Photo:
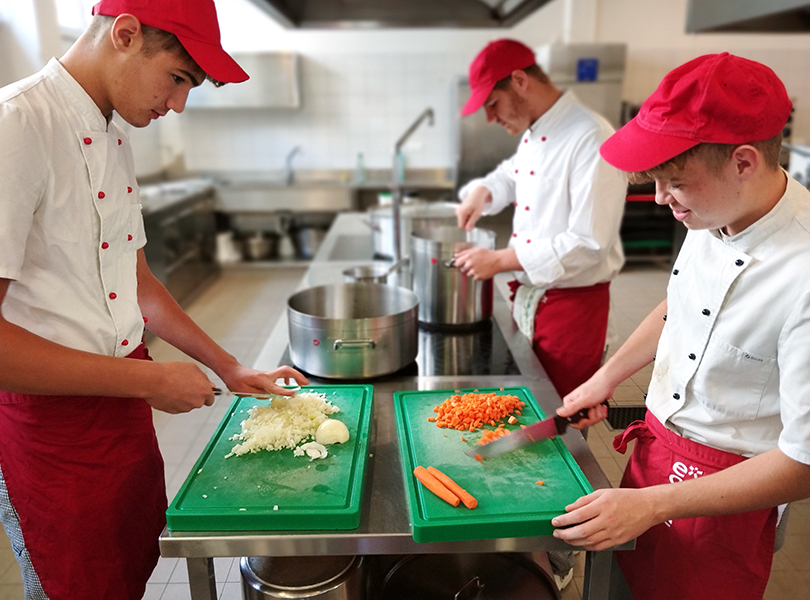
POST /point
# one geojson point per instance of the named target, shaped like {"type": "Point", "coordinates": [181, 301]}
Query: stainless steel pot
{"type": "Point", "coordinates": [448, 297]}
{"type": "Point", "coordinates": [308, 577]}
{"type": "Point", "coordinates": [353, 330]}
{"type": "Point", "coordinates": [416, 215]}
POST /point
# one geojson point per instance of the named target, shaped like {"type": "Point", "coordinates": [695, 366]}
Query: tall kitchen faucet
{"type": "Point", "coordinates": [288, 178]}
{"type": "Point", "coordinates": [396, 183]}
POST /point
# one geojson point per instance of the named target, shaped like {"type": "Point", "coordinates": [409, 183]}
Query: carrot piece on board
{"type": "Point", "coordinates": [467, 498]}
{"type": "Point", "coordinates": [479, 458]}
{"type": "Point", "coordinates": [432, 419]}
{"type": "Point", "coordinates": [539, 482]}
{"type": "Point", "coordinates": [433, 484]}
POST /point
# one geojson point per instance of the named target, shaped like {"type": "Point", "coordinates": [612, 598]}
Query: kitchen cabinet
{"type": "Point", "coordinates": [274, 83]}
{"type": "Point", "coordinates": [181, 242]}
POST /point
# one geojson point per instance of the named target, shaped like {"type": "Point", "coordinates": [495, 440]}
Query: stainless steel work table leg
{"type": "Point", "coordinates": [201, 579]}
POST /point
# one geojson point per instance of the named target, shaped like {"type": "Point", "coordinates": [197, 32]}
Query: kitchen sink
{"type": "Point", "coordinates": [259, 195]}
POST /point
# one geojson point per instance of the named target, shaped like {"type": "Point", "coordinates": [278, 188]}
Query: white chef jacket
{"type": "Point", "coordinates": [732, 369]}
{"type": "Point", "coordinates": [568, 200]}
{"type": "Point", "coordinates": [70, 217]}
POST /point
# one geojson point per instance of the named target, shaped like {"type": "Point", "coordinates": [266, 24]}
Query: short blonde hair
{"type": "Point", "coordinates": [713, 157]}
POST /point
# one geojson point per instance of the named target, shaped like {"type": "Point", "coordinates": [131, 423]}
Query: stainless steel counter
{"type": "Point", "coordinates": [384, 527]}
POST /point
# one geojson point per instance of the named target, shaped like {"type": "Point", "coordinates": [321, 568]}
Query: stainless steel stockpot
{"type": "Point", "coordinates": [353, 330]}
{"type": "Point", "coordinates": [448, 297]}
{"type": "Point", "coordinates": [303, 577]}
{"type": "Point", "coordinates": [414, 216]}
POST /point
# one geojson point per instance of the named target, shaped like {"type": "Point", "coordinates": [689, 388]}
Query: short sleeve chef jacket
{"type": "Point", "coordinates": [568, 200]}
{"type": "Point", "coordinates": [732, 369]}
{"type": "Point", "coordinates": [70, 217]}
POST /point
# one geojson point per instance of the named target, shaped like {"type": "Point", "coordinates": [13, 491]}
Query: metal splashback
{"type": "Point", "coordinates": [371, 14]}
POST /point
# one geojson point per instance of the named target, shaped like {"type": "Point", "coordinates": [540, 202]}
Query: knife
{"type": "Point", "coordinates": [220, 392]}
{"type": "Point", "coordinates": [525, 436]}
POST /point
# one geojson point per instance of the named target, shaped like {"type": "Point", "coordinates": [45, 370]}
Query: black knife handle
{"type": "Point", "coordinates": [562, 422]}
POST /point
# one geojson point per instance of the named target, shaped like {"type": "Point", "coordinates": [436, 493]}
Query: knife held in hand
{"type": "Point", "coordinates": [525, 436]}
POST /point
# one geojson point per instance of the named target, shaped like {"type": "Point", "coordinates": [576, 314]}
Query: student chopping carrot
{"type": "Point", "coordinates": [726, 439]}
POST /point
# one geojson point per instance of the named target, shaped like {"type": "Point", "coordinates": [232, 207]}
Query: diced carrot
{"type": "Point", "coordinates": [432, 419]}
{"type": "Point", "coordinates": [539, 482]}
{"type": "Point", "coordinates": [470, 410]}
{"type": "Point", "coordinates": [435, 486]}
{"type": "Point", "coordinates": [463, 439]}
{"type": "Point", "coordinates": [467, 498]}
{"type": "Point", "coordinates": [479, 458]}
{"type": "Point", "coordinates": [512, 420]}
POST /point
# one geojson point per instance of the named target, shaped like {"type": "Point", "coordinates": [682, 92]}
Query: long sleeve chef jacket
{"type": "Point", "coordinates": [568, 201]}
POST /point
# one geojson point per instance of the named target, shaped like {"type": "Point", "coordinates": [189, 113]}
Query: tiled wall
{"type": "Point", "coordinates": [352, 103]}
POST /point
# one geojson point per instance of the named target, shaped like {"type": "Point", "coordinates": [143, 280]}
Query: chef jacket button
{"type": "Point", "coordinates": [125, 343]}
{"type": "Point", "coordinates": [675, 272]}
{"type": "Point", "coordinates": [739, 262]}
{"type": "Point", "coordinates": [104, 245]}
{"type": "Point", "coordinates": [665, 317]}
{"type": "Point", "coordinates": [516, 170]}
{"type": "Point", "coordinates": [129, 238]}
{"type": "Point", "coordinates": [527, 207]}
{"type": "Point", "coordinates": [706, 312]}
{"type": "Point", "coordinates": [119, 141]}
{"type": "Point", "coordinates": [101, 195]}
{"type": "Point", "coordinates": [514, 235]}
{"type": "Point", "coordinates": [113, 295]}
{"type": "Point", "coordinates": [676, 395]}
{"type": "Point", "coordinates": [528, 240]}
{"type": "Point", "coordinates": [526, 141]}
{"type": "Point", "coordinates": [145, 320]}
{"type": "Point", "coordinates": [543, 139]}
{"type": "Point", "coordinates": [129, 190]}
{"type": "Point", "coordinates": [88, 141]}
{"type": "Point", "coordinates": [531, 172]}
{"type": "Point", "coordinates": [692, 356]}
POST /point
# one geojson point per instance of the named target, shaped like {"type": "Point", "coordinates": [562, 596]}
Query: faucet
{"type": "Point", "coordinates": [396, 184]}
{"type": "Point", "coordinates": [288, 177]}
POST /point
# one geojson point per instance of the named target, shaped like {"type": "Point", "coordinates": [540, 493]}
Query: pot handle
{"type": "Point", "coordinates": [338, 344]}
{"type": "Point", "coordinates": [450, 264]}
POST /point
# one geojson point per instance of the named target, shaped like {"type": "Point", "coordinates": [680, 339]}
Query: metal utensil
{"type": "Point", "coordinates": [220, 392]}
{"type": "Point", "coordinates": [520, 438]}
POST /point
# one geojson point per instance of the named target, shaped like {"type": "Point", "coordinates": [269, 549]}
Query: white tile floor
{"type": "Point", "coordinates": [240, 310]}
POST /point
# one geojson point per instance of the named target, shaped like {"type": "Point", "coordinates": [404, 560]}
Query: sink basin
{"type": "Point", "coordinates": [261, 196]}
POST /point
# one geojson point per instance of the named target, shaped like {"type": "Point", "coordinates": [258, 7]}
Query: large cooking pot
{"type": "Point", "coordinates": [353, 330]}
{"type": "Point", "coordinates": [303, 577]}
{"type": "Point", "coordinates": [414, 215]}
{"type": "Point", "coordinates": [448, 297]}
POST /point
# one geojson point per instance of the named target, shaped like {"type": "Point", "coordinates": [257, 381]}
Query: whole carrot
{"type": "Point", "coordinates": [467, 498]}
{"type": "Point", "coordinates": [433, 484]}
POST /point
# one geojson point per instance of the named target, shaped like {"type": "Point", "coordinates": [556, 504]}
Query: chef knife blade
{"type": "Point", "coordinates": [525, 436]}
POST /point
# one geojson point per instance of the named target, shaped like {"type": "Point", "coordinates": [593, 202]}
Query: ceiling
{"type": "Point", "coordinates": [373, 14]}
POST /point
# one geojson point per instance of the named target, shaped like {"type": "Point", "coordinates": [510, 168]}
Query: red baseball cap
{"type": "Point", "coordinates": [195, 24]}
{"type": "Point", "coordinates": [492, 64]}
{"type": "Point", "coordinates": [716, 98]}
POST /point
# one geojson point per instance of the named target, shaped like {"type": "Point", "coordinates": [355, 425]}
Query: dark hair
{"type": "Point", "coordinates": [154, 41]}
{"type": "Point", "coordinates": [713, 156]}
{"type": "Point", "coordinates": [533, 71]}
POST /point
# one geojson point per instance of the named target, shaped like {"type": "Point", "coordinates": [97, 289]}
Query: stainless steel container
{"type": "Point", "coordinates": [353, 330]}
{"type": "Point", "coordinates": [415, 215]}
{"type": "Point", "coordinates": [366, 274]}
{"type": "Point", "coordinates": [448, 297]}
{"type": "Point", "coordinates": [305, 577]}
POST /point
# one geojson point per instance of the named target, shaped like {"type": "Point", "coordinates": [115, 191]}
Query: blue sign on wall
{"type": "Point", "coordinates": [587, 69]}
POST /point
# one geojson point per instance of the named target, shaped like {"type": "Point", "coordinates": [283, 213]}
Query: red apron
{"type": "Point", "coordinates": [570, 326]}
{"type": "Point", "coordinates": [706, 558]}
{"type": "Point", "coordinates": [85, 476]}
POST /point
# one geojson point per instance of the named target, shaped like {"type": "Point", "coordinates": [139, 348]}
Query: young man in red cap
{"type": "Point", "coordinates": [565, 247]}
{"type": "Point", "coordinates": [82, 495]}
{"type": "Point", "coordinates": [728, 415]}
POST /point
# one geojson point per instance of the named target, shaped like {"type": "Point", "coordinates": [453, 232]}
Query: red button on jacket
{"type": "Point", "coordinates": [88, 141]}
{"type": "Point", "coordinates": [113, 296]}
{"type": "Point", "coordinates": [101, 195]}
{"type": "Point", "coordinates": [104, 245]}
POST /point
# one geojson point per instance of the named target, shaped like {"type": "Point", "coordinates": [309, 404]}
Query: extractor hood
{"type": "Point", "coordinates": [372, 14]}
{"type": "Point", "coordinates": [764, 16]}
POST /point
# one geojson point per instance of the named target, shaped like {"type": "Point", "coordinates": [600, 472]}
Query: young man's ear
{"type": "Point", "coordinates": [126, 34]}
{"type": "Point", "coordinates": [520, 80]}
{"type": "Point", "coordinates": [746, 160]}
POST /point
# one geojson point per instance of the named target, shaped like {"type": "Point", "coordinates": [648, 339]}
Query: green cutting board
{"type": "Point", "coordinates": [510, 502]}
{"type": "Point", "coordinates": [276, 491]}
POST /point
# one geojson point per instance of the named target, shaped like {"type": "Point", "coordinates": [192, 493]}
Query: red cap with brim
{"type": "Point", "coordinates": [714, 99]}
{"type": "Point", "coordinates": [195, 24]}
{"type": "Point", "coordinates": [495, 62]}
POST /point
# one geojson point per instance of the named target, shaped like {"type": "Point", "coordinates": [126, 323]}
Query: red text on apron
{"type": "Point", "coordinates": [706, 558]}
{"type": "Point", "coordinates": [85, 476]}
{"type": "Point", "coordinates": [570, 326]}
